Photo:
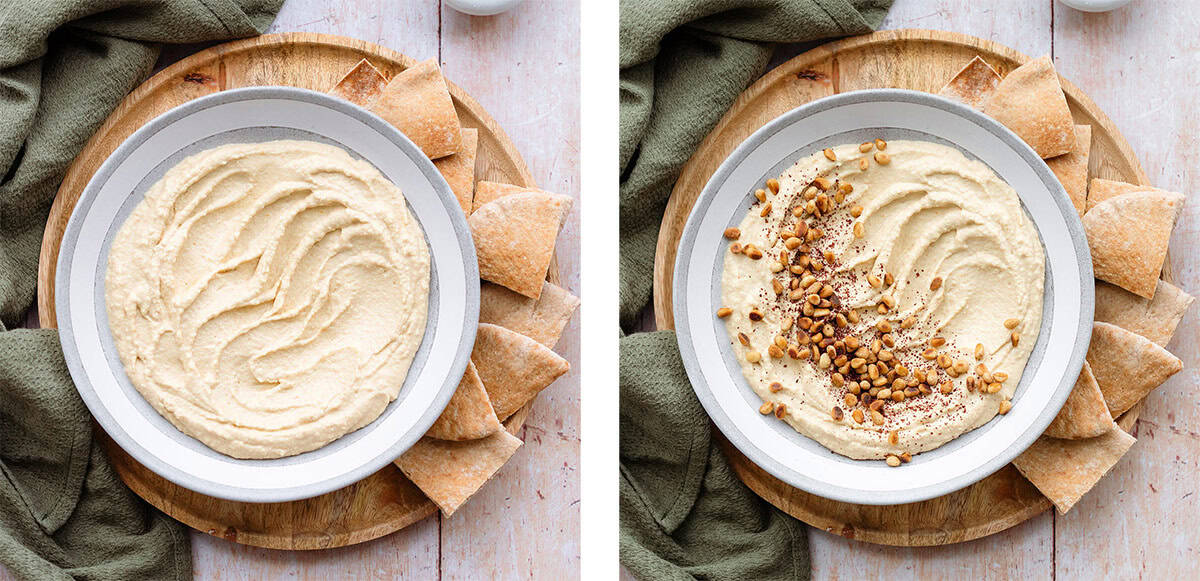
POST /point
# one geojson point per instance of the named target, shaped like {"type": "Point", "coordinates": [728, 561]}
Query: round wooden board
{"type": "Point", "coordinates": [383, 502]}
{"type": "Point", "coordinates": [910, 59]}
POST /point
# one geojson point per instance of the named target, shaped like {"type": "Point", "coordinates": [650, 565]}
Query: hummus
{"type": "Point", "coordinates": [884, 302]}
{"type": "Point", "coordinates": [268, 298]}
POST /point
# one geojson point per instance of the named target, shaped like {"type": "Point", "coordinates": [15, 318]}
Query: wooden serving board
{"type": "Point", "coordinates": [908, 59]}
{"type": "Point", "coordinates": [383, 502]}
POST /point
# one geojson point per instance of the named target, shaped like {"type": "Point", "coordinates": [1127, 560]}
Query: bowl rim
{"type": "Point", "coordinates": [112, 426]}
{"type": "Point", "coordinates": [795, 476]}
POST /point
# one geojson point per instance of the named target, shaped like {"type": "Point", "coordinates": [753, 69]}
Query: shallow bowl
{"type": "Point", "coordinates": [855, 117]}
{"type": "Point", "coordinates": [248, 115]}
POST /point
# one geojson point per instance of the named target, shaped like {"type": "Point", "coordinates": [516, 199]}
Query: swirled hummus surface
{"type": "Point", "coordinates": [884, 302]}
{"type": "Point", "coordinates": [269, 298]}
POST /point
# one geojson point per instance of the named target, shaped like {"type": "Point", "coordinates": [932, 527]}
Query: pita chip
{"type": "Point", "coordinates": [541, 319]}
{"type": "Point", "coordinates": [459, 169]}
{"type": "Point", "coordinates": [1071, 169]}
{"type": "Point", "coordinates": [1085, 415]}
{"type": "Point", "coordinates": [513, 367]}
{"type": "Point", "coordinates": [449, 473]}
{"type": "Point", "coordinates": [1128, 236]}
{"type": "Point", "coordinates": [1030, 101]}
{"type": "Point", "coordinates": [1127, 366]}
{"type": "Point", "coordinates": [1102, 189]}
{"type": "Point", "coordinates": [1153, 318]}
{"type": "Point", "coordinates": [361, 86]}
{"type": "Point", "coordinates": [491, 191]}
{"type": "Point", "coordinates": [973, 84]}
{"type": "Point", "coordinates": [1064, 470]}
{"type": "Point", "coordinates": [418, 103]}
{"type": "Point", "coordinates": [469, 415]}
{"type": "Point", "coordinates": [515, 236]}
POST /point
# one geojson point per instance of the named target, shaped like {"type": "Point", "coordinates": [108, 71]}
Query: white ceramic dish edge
{"type": "Point", "coordinates": [150, 439]}
{"type": "Point", "coordinates": [718, 382]}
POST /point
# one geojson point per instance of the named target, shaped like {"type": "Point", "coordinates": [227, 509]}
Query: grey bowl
{"type": "Point", "coordinates": [254, 115]}
{"type": "Point", "coordinates": [852, 118]}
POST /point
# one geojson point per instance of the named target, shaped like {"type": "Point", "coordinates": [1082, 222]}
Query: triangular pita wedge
{"type": "Point", "coordinates": [1064, 470]}
{"type": "Point", "coordinates": [973, 84]}
{"type": "Point", "coordinates": [1072, 168]}
{"type": "Point", "coordinates": [1030, 101]}
{"type": "Point", "coordinates": [1154, 319]}
{"type": "Point", "coordinates": [418, 103]}
{"type": "Point", "coordinates": [1085, 415]}
{"type": "Point", "coordinates": [1128, 236]}
{"type": "Point", "coordinates": [361, 86]}
{"type": "Point", "coordinates": [450, 472]}
{"type": "Point", "coordinates": [1101, 189]}
{"type": "Point", "coordinates": [459, 169]}
{"type": "Point", "coordinates": [515, 236]}
{"type": "Point", "coordinates": [540, 319]}
{"type": "Point", "coordinates": [513, 367]}
{"type": "Point", "coordinates": [491, 191]}
{"type": "Point", "coordinates": [1127, 365]}
{"type": "Point", "coordinates": [469, 415]}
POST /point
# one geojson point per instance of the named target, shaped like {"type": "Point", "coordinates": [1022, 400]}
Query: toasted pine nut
{"type": "Point", "coordinates": [724, 312]}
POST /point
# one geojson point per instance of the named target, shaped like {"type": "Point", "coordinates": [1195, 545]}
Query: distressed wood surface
{"type": "Point", "coordinates": [523, 68]}
{"type": "Point", "coordinates": [1138, 65]}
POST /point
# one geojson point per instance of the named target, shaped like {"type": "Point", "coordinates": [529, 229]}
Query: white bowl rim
{"type": "Point", "coordinates": [793, 475]}
{"type": "Point", "coordinates": [445, 390]}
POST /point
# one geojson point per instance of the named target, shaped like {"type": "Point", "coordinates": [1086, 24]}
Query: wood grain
{"type": "Point", "coordinates": [523, 66]}
{"type": "Point", "coordinates": [911, 59]}
{"type": "Point", "coordinates": [381, 503]}
{"type": "Point", "coordinates": [1137, 63]}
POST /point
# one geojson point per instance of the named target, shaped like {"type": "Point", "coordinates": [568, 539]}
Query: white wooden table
{"type": "Point", "coordinates": [523, 67]}
{"type": "Point", "coordinates": [1139, 64]}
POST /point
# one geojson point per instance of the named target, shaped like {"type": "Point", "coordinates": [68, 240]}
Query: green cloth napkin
{"type": "Point", "coordinates": [64, 66]}
{"type": "Point", "coordinates": [684, 514]}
